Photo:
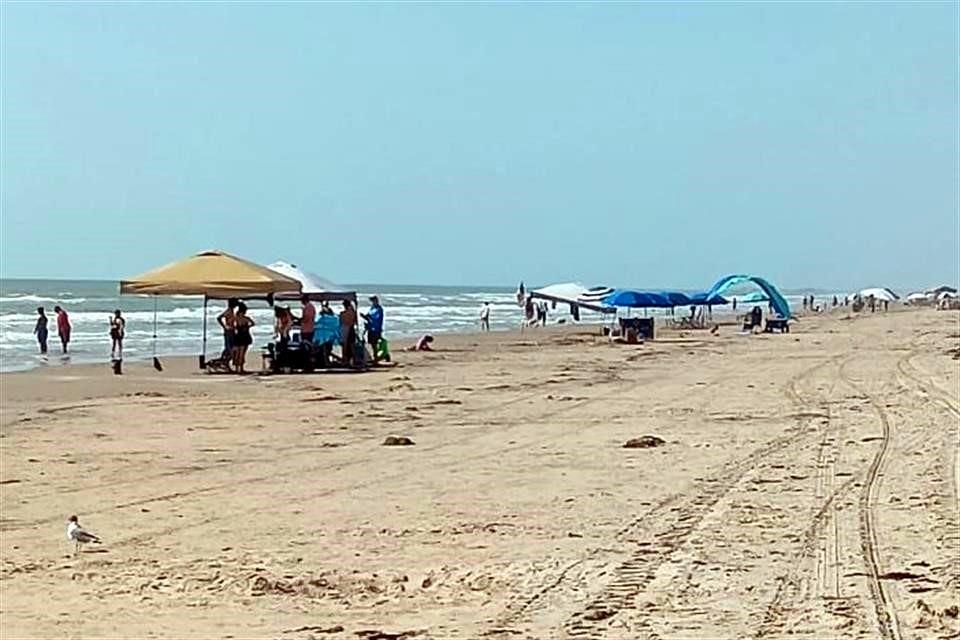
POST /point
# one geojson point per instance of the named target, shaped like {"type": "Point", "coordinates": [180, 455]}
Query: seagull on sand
{"type": "Point", "coordinates": [78, 535]}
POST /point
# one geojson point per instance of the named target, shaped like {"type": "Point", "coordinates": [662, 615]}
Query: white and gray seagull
{"type": "Point", "coordinates": [79, 535]}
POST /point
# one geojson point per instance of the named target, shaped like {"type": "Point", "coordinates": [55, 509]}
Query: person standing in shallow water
{"type": "Point", "coordinates": [485, 317]}
{"type": "Point", "coordinates": [63, 327]}
{"type": "Point", "coordinates": [118, 327]}
{"type": "Point", "coordinates": [40, 330]}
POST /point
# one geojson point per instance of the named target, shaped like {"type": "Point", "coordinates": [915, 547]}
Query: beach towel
{"type": "Point", "coordinates": [327, 330]}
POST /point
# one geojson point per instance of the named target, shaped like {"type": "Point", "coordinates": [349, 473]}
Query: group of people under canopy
{"type": "Point", "coordinates": [306, 340]}
{"type": "Point", "coordinates": [311, 334]}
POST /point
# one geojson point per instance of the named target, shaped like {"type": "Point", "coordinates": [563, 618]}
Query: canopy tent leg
{"type": "Point", "coordinates": [203, 355]}
{"type": "Point", "coordinates": [156, 361]}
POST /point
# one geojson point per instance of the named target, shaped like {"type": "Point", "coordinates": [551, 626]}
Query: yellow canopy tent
{"type": "Point", "coordinates": [212, 274]}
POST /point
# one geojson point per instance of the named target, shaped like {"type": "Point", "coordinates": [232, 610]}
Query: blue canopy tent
{"type": "Point", "coordinates": [676, 298]}
{"type": "Point", "coordinates": [704, 298]}
{"type": "Point", "coordinates": [637, 299]}
{"type": "Point", "coordinates": [777, 301]}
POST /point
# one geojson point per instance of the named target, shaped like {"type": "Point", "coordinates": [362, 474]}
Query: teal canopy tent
{"type": "Point", "coordinates": [779, 303]}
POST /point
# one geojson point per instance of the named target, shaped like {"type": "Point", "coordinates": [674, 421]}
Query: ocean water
{"type": "Point", "coordinates": [410, 311]}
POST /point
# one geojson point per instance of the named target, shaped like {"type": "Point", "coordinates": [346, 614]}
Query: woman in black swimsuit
{"type": "Point", "coordinates": [241, 337]}
{"type": "Point", "coordinates": [40, 330]}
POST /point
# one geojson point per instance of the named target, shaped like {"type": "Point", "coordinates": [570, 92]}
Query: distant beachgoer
{"type": "Point", "coordinates": [374, 322]}
{"type": "Point", "coordinates": [835, 301]}
{"type": "Point", "coordinates": [886, 305]}
{"type": "Point", "coordinates": [40, 330]}
{"type": "Point", "coordinates": [872, 301]}
{"type": "Point", "coordinates": [308, 319]}
{"type": "Point", "coordinates": [348, 331]}
{"type": "Point", "coordinates": [117, 329]}
{"type": "Point", "coordinates": [63, 327]}
{"type": "Point", "coordinates": [846, 301]}
{"type": "Point", "coordinates": [227, 322]}
{"type": "Point", "coordinates": [756, 317]}
{"type": "Point", "coordinates": [812, 305]}
{"type": "Point", "coordinates": [242, 338]}
{"type": "Point", "coordinates": [734, 303]}
{"type": "Point", "coordinates": [529, 312]}
{"type": "Point", "coordinates": [485, 317]}
{"type": "Point", "coordinates": [423, 344]}
{"type": "Point", "coordinates": [544, 309]}
{"type": "Point", "coordinates": [804, 303]}
{"type": "Point", "coordinates": [325, 309]}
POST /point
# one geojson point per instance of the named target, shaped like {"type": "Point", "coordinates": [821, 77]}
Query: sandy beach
{"type": "Point", "coordinates": [807, 487]}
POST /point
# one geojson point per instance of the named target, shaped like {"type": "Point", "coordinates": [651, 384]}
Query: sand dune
{"type": "Point", "coordinates": [806, 486]}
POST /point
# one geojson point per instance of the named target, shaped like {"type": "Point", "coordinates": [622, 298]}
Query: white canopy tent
{"type": "Point", "coordinates": [919, 298]}
{"type": "Point", "coordinates": [878, 293]}
{"type": "Point", "coordinates": [575, 293]}
{"type": "Point", "coordinates": [311, 285]}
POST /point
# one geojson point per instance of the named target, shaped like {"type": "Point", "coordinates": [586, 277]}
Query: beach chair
{"type": "Point", "coordinates": [218, 365]}
{"type": "Point", "coordinates": [781, 325]}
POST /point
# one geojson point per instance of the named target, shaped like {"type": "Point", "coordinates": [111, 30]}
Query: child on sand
{"type": "Point", "coordinates": [423, 344]}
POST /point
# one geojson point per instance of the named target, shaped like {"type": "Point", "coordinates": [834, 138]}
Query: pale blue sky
{"type": "Point", "coordinates": [630, 144]}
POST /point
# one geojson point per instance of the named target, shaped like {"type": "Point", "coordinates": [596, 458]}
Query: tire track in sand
{"type": "Point", "coordinates": [789, 586]}
{"type": "Point", "coordinates": [500, 626]}
{"type": "Point", "coordinates": [925, 388]}
{"type": "Point", "coordinates": [887, 620]}
{"type": "Point", "coordinates": [674, 520]}
{"type": "Point", "coordinates": [821, 532]}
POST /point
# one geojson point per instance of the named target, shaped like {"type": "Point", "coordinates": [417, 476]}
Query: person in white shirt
{"type": "Point", "coordinates": [485, 317]}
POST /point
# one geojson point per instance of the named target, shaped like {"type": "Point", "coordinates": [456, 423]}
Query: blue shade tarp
{"type": "Point", "coordinates": [637, 299]}
{"type": "Point", "coordinates": [779, 303]}
{"type": "Point", "coordinates": [676, 298]}
{"type": "Point", "coordinates": [704, 298]}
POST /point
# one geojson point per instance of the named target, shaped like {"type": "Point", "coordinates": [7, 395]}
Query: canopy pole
{"type": "Point", "coordinates": [203, 356]}
{"type": "Point", "coordinates": [156, 361]}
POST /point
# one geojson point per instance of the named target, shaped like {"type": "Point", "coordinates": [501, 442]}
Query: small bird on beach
{"type": "Point", "coordinates": [78, 535]}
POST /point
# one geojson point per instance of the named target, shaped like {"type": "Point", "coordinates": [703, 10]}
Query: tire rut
{"type": "Point", "coordinates": [676, 519]}
{"type": "Point", "coordinates": [887, 620]}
